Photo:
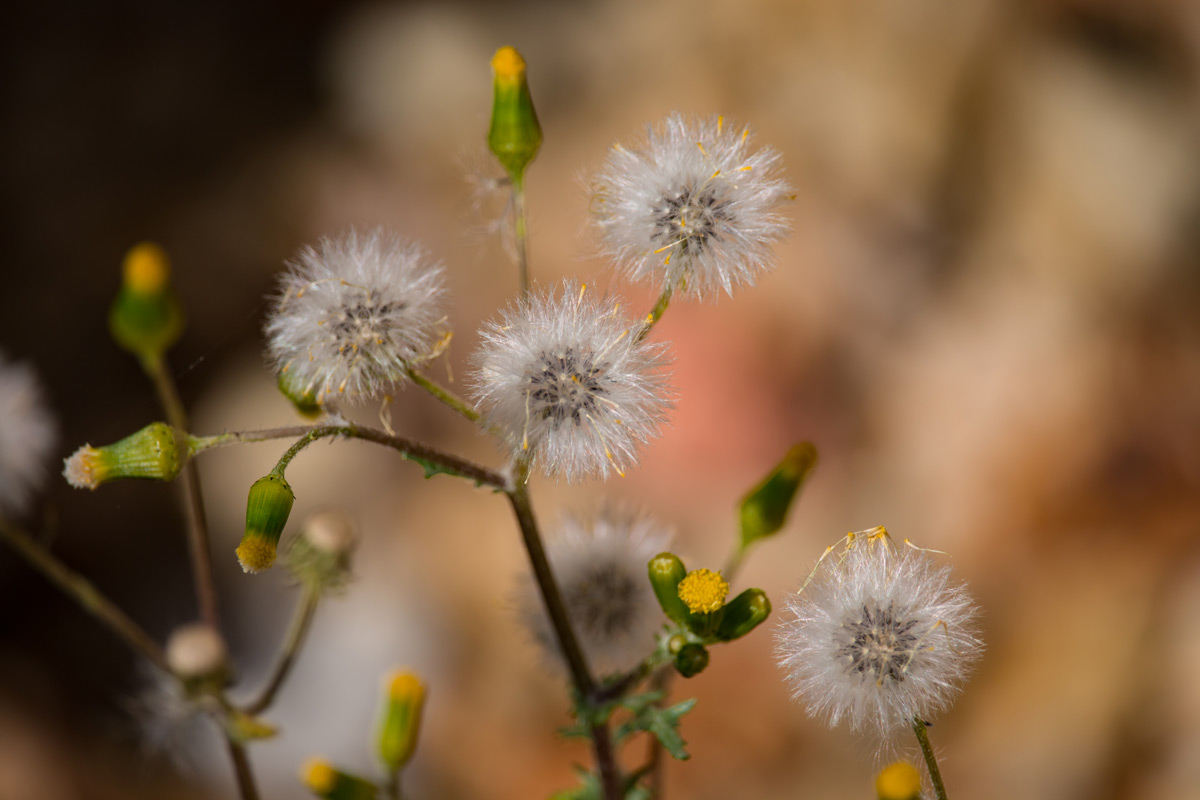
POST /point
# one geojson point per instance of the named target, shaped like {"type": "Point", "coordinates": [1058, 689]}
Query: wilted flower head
{"type": "Point", "coordinates": [692, 209]}
{"type": "Point", "coordinates": [878, 635]}
{"type": "Point", "coordinates": [565, 377]}
{"type": "Point", "coordinates": [353, 313]}
{"type": "Point", "coordinates": [27, 434]}
{"type": "Point", "coordinates": [600, 565]}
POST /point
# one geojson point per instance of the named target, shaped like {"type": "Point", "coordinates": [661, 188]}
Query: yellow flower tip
{"type": "Point", "coordinates": [256, 554]}
{"type": "Point", "coordinates": [80, 469]}
{"type": "Point", "coordinates": [898, 781]}
{"type": "Point", "coordinates": [146, 268]}
{"type": "Point", "coordinates": [318, 775]}
{"type": "Point", "coordinates": [508, 64]}
{"type": "Point", "coordinates": [703, 590]}
{"type": "Point", "coordinates": [405, 686]}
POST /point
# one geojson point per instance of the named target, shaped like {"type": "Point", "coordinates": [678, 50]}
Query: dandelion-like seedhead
{"type": "Point", "coordinates": [27, 434]}
{"type": "Point", "coordinates": [878, 635]}
{"type": "Point", "coordinates": [354, 313]}
{"type": "Point", "coordinates": [566, 378]}
{"type": "Point", "coordinates": [693, 208]}
{"type": "Point", "coordinates": [601, 570]}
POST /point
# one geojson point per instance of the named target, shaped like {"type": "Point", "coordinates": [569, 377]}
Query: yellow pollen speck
{"type": "Point", "coordinates": [256, 554]}
{"type": "Point", "coordinates": [703, 590]}
{"type": "Point", "coordinates": [405, 686]}
{"type": "Point", "coordinates": [508, 64]}
{"type": "Point", "coordinates": [898, 781]}
{"type": "Point", "coordinates": [146, 268]}
{"type": "Point", "coordinates": [318, 775]}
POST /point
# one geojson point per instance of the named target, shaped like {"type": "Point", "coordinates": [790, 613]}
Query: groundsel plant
{"type": "Point", "coordinates": [566, 379]}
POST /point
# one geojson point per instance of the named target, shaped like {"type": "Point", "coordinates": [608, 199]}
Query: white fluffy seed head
{"type": "Point", "coordinates": [564, 376]}
{"type": "Point", "coordinates": [353, 313]}
{"type": "Point", "coordinates": [196, 651]}
{"type": "Point", "coordinates": [878, 636]}
{"type": "Point", "coordinates": [600, 565]}
{"type": "Point", "coordinates": [693, 207]}
{"type": "Point", "coordinates": [27, 434]}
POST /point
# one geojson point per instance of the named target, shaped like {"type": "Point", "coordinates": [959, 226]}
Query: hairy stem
{"type": "Point", "coordinates": [242, 771]}
{"type": "Point", "coordinates": [301, 622]}
{"type": "Point", "coordinates": [656, 313]}
{"type": "Point", "coordinates": [81, 590]}
{"type": "Point", "coordinates": [935, 774]}
{"type": "Point", "coordinates": [198, 544]}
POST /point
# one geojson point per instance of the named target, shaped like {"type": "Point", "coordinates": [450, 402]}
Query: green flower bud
{"type": "Point", "coordinates": [404, 697]}
{"type": "Point", "coordinates": [666, 571]}
{"type": "Point", "coordinates": [329, 783]}
{"type": "Point", "coordinates": [304, 399]}
{"type": "Point", "coordinates": [153, 452]}
{"type": "Point", "coordinates": [898, 781]}
{"type": "Point", "coordinates": [765, 508]}
{"type": "Point", "coordinates": [146, 318]}
{"type": "Point", "coordinates": [743, 614]}
{"type": "Point", "coordinates": [320, 556]}
{"type": "Point", "coordinates": [267, 510]}
{"type": "Point", "coordinates": [691, 659]}
{"type": "Point", "coordinates": [515, 135]}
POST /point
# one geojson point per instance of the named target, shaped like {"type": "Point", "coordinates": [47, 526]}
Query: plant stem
{"type": "Point", "coordinates": [520, 232]}
{"type": "Point", "coordinates": [81, 590]}
{"type": "Point", "coordinates": [606, 762]}
{"type": "Point", "coordinates": [242, 771]}
{"type": "Point", "coordinates": [206, 594]}
{"type": "Point", "coordinates": [301, 622]}
{"type": "Point", "coordinates": [656, 313]}
{"type": "Point", "coordinates": [444, 395]}
{"type": "Point", "coordinates": [935, 774]}
{"type": "Point", "coordinates": [659, 682]}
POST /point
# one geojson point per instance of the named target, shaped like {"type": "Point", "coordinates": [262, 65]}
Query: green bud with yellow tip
{"type": "Point", "coordinates": [154, 452]}
{"type": "Point", "coordinates": [515, 135]}
{"type": "Point", "coordinates": [691, 659]}
{"type": "Point", "coordinates": [898, 781]}
{"type": "Point", "coordinates": [666, 571]}
{"type": "Point", "coordinates": [267, 509]}
{"type": "Point", "coordinates": [404, 696]}
{"type": "Point", "coordinates": [329, 783]}
{"type": "Point", "coordinates": [764, 509]}
{"type": "Point", "coordinates": [146, 318]}
{"type": "Point", "coordinates": [743, 614]}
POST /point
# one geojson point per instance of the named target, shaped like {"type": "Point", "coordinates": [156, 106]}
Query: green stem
{"type": "Point", "coordinates": [198, 543]}
{"type": "Point", "coordinates": [296, 635]}
{"type": "Point", "coordinates": [520, 232]}
{"type": "Point", "coordinates": [935, 774]}
{"type": "Point", "coordinates": [733, 563]}
{"type": "Point", "coordinates": [444, 395]}
{"type": "Point", "coordinates": [656, 313]}
{"type": "Point", "coordinates": [242, 771]}
{"type": "Point", "coordinates": [81, 590]}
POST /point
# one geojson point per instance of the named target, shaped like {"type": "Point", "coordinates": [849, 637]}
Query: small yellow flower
{"type": "Point", "coordinates": [146, 268]}
{"type": "Point", "coordinates": [898, 781]}
{"type": "Point", "coordinates": [703, 590]}
{"type": "Point", "coordinates": [318, 775]}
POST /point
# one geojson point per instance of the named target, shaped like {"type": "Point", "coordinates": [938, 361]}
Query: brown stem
{"type": "Point", "coordinates": [242, 771]}
{"type": "Point", "coordinates": [296, 635]}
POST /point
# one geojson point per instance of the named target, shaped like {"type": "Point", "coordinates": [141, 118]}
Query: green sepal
{"type": "Point", "coordinates": [242, 727]}
{"type": "Point", "coordinates": [302, 399]}
{"type": "Point", "coordinates": [348, 787]}
{"type": "Point", "coordinates": [764, 509]}
{"type": "Point", "coordinates": [400, 725]}
{"type": "Point", "coordinates": [268, 506]}
{"type": "Point", "coordinates": [666, 571]}
{"type": "Point", "coordinates": [153, 452]}
{"type": "Point", "coordinates": [514, 135]}
{"type": "Point", "coordinates": [691, 660]}
{"type": "Point", "coordinates": [743, 614]}
{"type": "Point", "coordinates": [145, 324]}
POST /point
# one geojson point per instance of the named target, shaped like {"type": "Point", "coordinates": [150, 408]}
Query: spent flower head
{"type": "Point", "coordinates": [566, 378]}
{"type": "Point", "coordinates": [878, 635]}
{"type": "Point", "coordinates": [27, 434]}
{"type": "Point", "coordinates": [693, 208]}
{"type": "Point", "coordinates": [353, 314]}
{"type": "Point", "coordinates": [601, 569]}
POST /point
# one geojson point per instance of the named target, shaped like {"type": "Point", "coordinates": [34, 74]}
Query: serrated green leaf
{"type": "Point", "coordinates": [663, 723]}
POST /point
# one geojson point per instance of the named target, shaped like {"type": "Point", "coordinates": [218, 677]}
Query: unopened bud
{"type": "Point", "coordinates": [197, 652]}
{"type": "Point", "coordinates": [153, 452]}
{"type": "Point", "coordinates": [267, 509]}
{"type": "Point", "coordinates": [898, 781]}
{"type": "Point", "coordinates": [666, 571]}
{"type": "Point", "coordinates": [765, 508]}
{"type": "Point", "coordinates": [743, 614]}
{"type": "Point", "coordinates": [330, 783]}
{"type": "Point", "coordinates": [146, 318]}
{"type": "Point", "coordinates": [304, 398]}
{"type": "Point", "coordinates": [515, 135]}
{"type": "Point", "coordinates": [404, 696]}
{"type": "Point", "coordinates": [691, 659]}
{"type": "Point", "coordinates": [320, 555]}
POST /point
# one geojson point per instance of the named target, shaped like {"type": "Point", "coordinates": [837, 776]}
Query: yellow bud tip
{"type": "Point", "coordinates": [404, 686]}
{"type": "Point", "coordinates": [80, 469]}
{"type": "Point", "coordinates": [508, 64]}
{"type": "Point", "coordinates": [146, 268]}
{"type": "Point", "coordinates": [703, 591]}
{"type": "Point", "coordinates": [256, 554]}
{"type": "Point", "coordinates": [898, 781]}
{"type": "Point", "coordinates": [318, 775]}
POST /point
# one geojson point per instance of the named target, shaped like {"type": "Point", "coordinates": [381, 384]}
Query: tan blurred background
{"type": "Point", "coordinates": [986, 319]}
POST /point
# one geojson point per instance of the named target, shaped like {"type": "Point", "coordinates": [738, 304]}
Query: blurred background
{"type": "Point", "coordinates": [986, 319]}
